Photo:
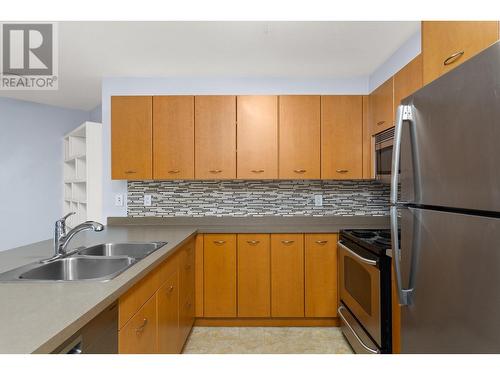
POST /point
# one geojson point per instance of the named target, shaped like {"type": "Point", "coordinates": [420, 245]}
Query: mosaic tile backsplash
{"type": "Point", "coordinates": [258, 198]}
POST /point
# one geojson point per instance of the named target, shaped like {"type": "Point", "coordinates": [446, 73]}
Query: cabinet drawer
{"type": "Point", "coordinates": [187, 269]}
{"type": "Point", "coordinates": [138, 336]}
{"type": "Point", "coordinates": [168, 315]}
{"type": "Point", "coordinates": [136, 296]}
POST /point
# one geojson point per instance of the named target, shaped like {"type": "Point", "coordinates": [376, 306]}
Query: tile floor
{"type": "Point", "coordinates": [266, 340]}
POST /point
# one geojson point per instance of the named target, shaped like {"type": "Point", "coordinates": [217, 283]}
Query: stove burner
{"type": "Point", "coordinates": [382, 242]}
{"type": "Point", "coordinates": [384, 234]}
{"type": "Point", "coordinates": [362, 233]}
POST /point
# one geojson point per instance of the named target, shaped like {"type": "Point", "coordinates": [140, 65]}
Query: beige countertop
{"type": "Point", "coordinates": [38, 317]}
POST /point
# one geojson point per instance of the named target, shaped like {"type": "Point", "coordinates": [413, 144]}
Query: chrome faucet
{"type": "Point", "coordinates": [62, 239]}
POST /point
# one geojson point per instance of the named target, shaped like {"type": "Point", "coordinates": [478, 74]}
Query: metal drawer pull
{"type": "Point", "coordinates": [174, 171]}
{"type": "Point", "coordinates": [188, 304]}
{"type": "Point", "coordinates": [140, 329]}
{"type": "Point", "coordinates": [219, 242]}
{"type": "Point", "coordinates": [342, 170]}
{"type": "Point", "coordinates": [287, 242]}
{"type": "Point", "coordinates": [129, 172]}
{"type": "Point", "coordinates": [371, 262]}
{"type": "Point", "coordinates": [257, 170]}
{"type": "Point", "coordinates": [381, 122]}
{"type": "Point", "coordinates": [368, 349]}
{"type": "Point", "coordinates": [215, 170]}
{"type": "Point", "coordinates": [322, 242]}
{"type": "Point", "coordinates": [170, 288]}
{"type": "Point", "coordinates": [299, 170]}
{"type": "Point", "coordinates": [450, 60]}
{"type": "Point", "coordinates": [253, 242]}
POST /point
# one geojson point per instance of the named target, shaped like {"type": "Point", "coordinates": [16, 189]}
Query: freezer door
{"type": "Point", "coordinates": [452, 263]}
{"type": "Point", "coordinates": [450, 151]}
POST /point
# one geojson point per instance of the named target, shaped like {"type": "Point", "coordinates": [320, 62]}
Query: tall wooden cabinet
{"type": "Point", "coordinates": [299, 137]}
{"type": "Point", "coordinates": [287, 275]}
{"type": "Point", "coordinates": [341, 137]}
{"type": "Point", "coordinates": [219, 273]}
{"type": "Point", "coordinates": [382, 107]}
{"type": "Point", "coordinates": [447, 44]}
{"type": "Point", "coordinates": [257, 138]}
{"type": "Point", "coordinates": [173, 137]}
{"type": "Point", "coordinates": [131, 137]}
{"type": "Point", "coordinates": [215, 137]}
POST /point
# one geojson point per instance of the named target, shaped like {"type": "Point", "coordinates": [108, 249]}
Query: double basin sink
{"type": "Point", "coordinates": [101, 262]}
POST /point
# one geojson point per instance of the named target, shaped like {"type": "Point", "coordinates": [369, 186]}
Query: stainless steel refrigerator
{"type": "Point", "coordinates": [446, 203]}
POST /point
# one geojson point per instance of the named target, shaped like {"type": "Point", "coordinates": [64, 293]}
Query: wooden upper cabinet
{"type": "Point", "coordinates": [173, 137]}
{"type": "Point", "coordinates": [382, 107]}
{"type": "Point", "coordinates": [254, 275]}
{"type": "Point", "coordinates": [299, 137]}
{"type": "Point", "coordinates": [368, 142]}
{"type": "Point", "coordinates": [341, 137]}
{"type": "Point", "coordinates": [257, 118]}
{"type": "Point", "coordinates": [408, 80]}
{"type": "Point", "coordinates": [215, 137]}
{"type": "Point", "coordinates": [131, 137]}
{"type": "Point", "coordinates": [321, 275]}
{"type": "Point", "coordinates": [447, 44]}
{"type": "Point", "coordinates": [287, 275]}
{"type": "Point", "coordinates": [219, 272]}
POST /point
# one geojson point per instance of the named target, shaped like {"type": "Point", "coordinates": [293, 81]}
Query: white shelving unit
{"type": "Point", "coordinates": [82, 173]}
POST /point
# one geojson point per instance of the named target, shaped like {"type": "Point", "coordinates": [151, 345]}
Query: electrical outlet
{"type": "Point", "coordinates": [147, 199]}
{"type": "Point", "coordinates": [118, 200]}
{"type": "Point", "coordinates": [318, 200]}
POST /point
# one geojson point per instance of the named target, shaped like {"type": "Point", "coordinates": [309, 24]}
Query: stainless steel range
{"type": "Point", "coordinates": [365, 289]}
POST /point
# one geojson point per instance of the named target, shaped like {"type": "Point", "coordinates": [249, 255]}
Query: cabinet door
{"type": "Point", "coordinates": [254, 275]}
{"type": "Point", "coordinates": [299, 136]}
{"type": "Point", "coordinates": [215, 137]}
{"type": "Point", "coordinates": [408, 80]}
{"type": "Point", "coordinates": [219, 267]}
{"type": "Point", "coordinates": [321, 275]}
{"type": "Point", "coordinates": [287, 275]}
{"type": "Point", "coordinates": [168, 316]}
{"type": "Point", "coordinates": [131, 137]}
{"type": "Point", "coordinates": [173, 137]}
{"type": "Point", "coordinates": [186, 298]}
{"type": "Point", "coordinates": [139, 334]}
{"type": "Point", "coordinates": [368, 142]}
{"type": "Point", "coordinates": [447, 44]}
{"type": "Point", "coordinates": [186, 320]}
{"type": "Point", "coordinates": [342, 137]}
{"type": "Point", "coordinates": [382, 107]}
{"type": "Point", "coordinates": [257, 137]}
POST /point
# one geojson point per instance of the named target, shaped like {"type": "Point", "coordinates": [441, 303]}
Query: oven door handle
{"type": "Point", "coordinates": [367, 348]}
{"type": "Point", "coordinates": [370, 262]}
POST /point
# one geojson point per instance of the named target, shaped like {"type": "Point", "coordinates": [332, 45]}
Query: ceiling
{"type": "Point", "coordinates": [89, 51]}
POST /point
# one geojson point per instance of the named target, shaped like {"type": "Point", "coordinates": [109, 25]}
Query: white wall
{"type": "Point", "coordinates": [31, 152]}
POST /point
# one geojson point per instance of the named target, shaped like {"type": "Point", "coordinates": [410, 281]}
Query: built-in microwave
{"type": "Point", "coordinates": [383, 155]}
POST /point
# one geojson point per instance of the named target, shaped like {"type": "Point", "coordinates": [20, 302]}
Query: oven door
{"type": "Point", "coordinates": [359, 279]}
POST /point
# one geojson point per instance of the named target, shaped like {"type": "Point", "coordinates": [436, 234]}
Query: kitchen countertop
{"type": "Point", "coordinates": [38, 317]}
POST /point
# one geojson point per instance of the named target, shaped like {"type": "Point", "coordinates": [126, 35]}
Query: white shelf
{"type": "Point", "coordinates": [82, 173]}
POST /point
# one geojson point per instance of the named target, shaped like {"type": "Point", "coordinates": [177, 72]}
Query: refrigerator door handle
{"type": "Point", "coordinates": [403, 114]}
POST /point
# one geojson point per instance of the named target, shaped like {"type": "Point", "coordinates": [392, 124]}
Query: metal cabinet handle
{"type": "Point", "coordinates": [452, 58]}
{"type": "Point", "coordinates": [140, 329]}
{"type": "Point", "coordinates": [287, 242]}
{"type": "Point", "coordinates": [381, 122]}
{"type": "Point", "coordinates": [215, 170]}
{"type": "Point", "coordinates": [253, 242]}
{"type": "Point", "coordinates": [370, 262]}
{"type": "Point", "coordinates": [188, 304]}
{"type": "Point", "coordinates": [170, 289]}
{"type": "Point", "coordinates": [342, 170]}
{"type": "Point", "coordinates": [219, 242]}
{"type": "Point", "coordinates": [367, 348]}
{"type": "Point", "coordinates": [299, 170]}
{"type": "Point", "coordinates": [130, 172]}
{"type": "Point", "coordinates": [257, 170]}
{"type": "Point", "coordinates": [321, 242]}
{"type": "Point", "coordinates": [174, 171]}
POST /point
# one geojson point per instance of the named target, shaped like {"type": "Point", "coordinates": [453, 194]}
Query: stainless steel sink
{"type": "Point", "coordinates": [135, 250]}
{"type": "Point", "coordinates": [79, 268]}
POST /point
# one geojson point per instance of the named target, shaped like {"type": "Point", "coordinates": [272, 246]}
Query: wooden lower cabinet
{"type": "Point", "coordinates": [219, 275]}
{"type": "Point", "coordinates": [167, 299]}
{"type": "Point", "coordinates": [321, 275]}
{"type": "Point", "coordinates": [139, 335]}
{"type": "Point", "coordinates": [254, 275]}
{"type": "Point", "coordinates": [287, 275]}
